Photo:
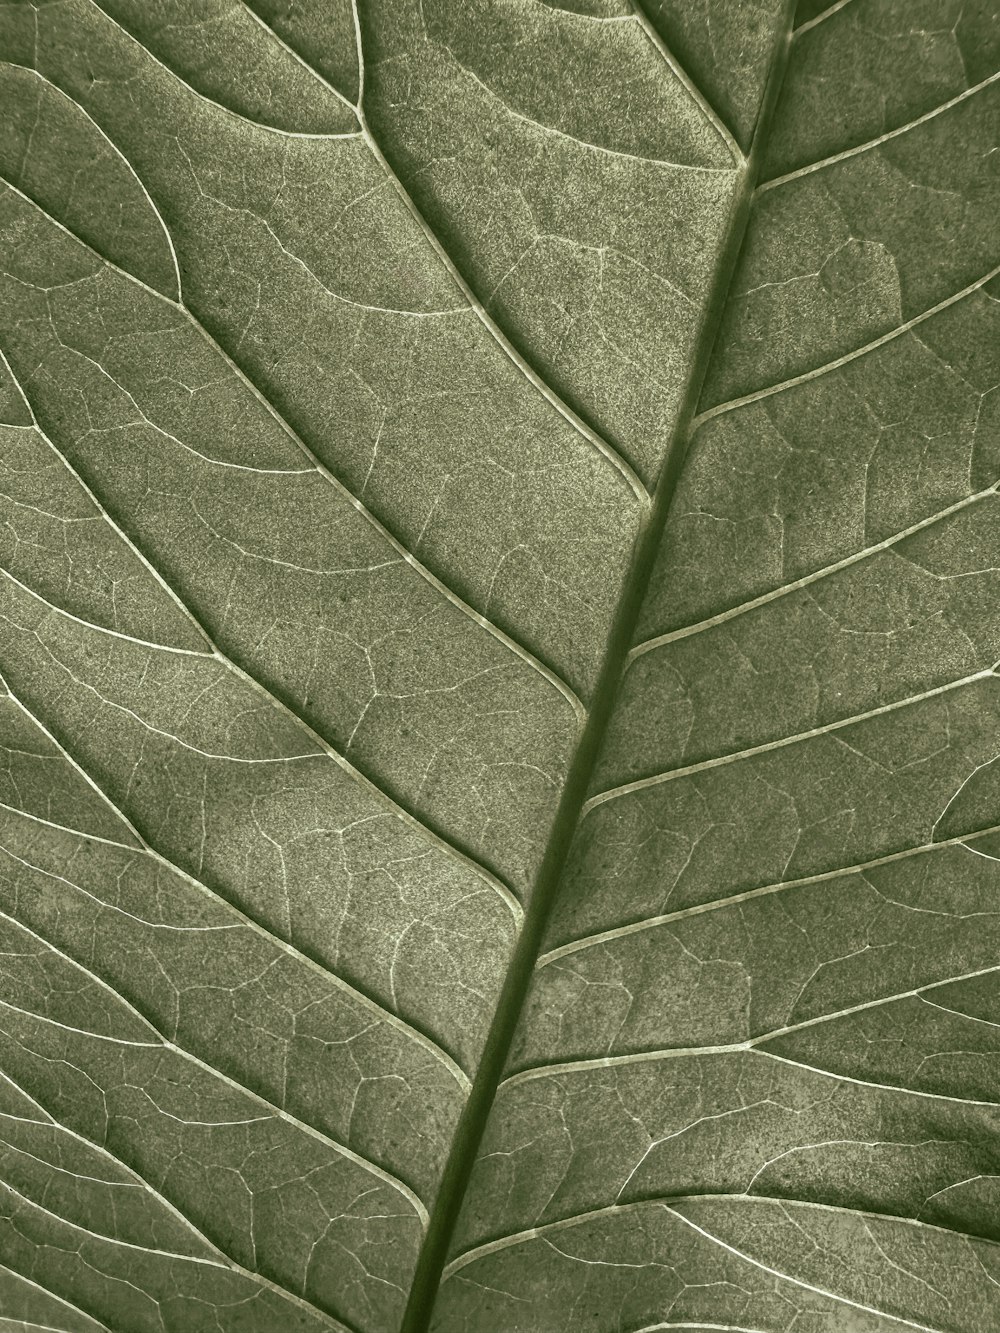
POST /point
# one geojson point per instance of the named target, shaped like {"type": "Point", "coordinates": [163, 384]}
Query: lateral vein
{"type": "Point", "coordinates": [163, 1042]}
{"type": "Point", "coordinates": [518, 649]}
{"type": "Point", "coordinates": [819, 165]}
{"type": "Point", "coordinates": [54, 1295]}
{"type": "Point", "coordinates": [275, 941]}
{"type": "Point", "coordinates": [820, 18]}
{"type": "Point", "coordinates": [671, 1202]}
{"type": "Point", "coordinates": [503, 890]}
{"type": "Point", "coordinates": [750, 1044]}
{"type": "Point", "coordinates": [698, 627]}
{"type": "Point", "coordinates": [213, 102]}
{"type": "Point", "coordinates": [780, 886]}
{"type": "Point", "coordinates": [844, 360]}
{"type": "Point", "coordinates": [613, 793]}
{"type": "Point", "coordinates": [690, 87]}
{"type": "Point", "coordinates": [162, 1201]}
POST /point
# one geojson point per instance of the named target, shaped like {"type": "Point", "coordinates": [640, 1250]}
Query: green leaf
{"type": "Point", "coordinates": [499, 809]}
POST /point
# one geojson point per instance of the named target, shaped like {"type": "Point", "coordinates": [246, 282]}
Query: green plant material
{"type": "Point", "coordinates": [499, 610]}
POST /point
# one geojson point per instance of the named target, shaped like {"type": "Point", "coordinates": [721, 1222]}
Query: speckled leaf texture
{"type": "Point", "coordinates": [499, 622]}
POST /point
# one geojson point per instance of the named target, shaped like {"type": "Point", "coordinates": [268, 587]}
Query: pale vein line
{"type": "Point", "coordinates": [687, 83]}
{"type": "Point", "coordinates": [98, 507]}
{"type": "Point", "coordinates": [879, 1087]}
{"type": "Point", "coordinates": [90, 1145]}
{"type": "Point", "coordinates": [276, 37]}
{"type": "Point", "coordinates": [959, 1013]}
{"type": "Point", "coordinates": [112, 1240]}
{"type": "Point", "coordinates": [162, 1201]}
{"type": "Point", "coordinates": [505, 893]}
{"type": "Point", "coordinates": [825, 369]}
{"type": "Point", "coordinates": [751, 1044]}
{"type": "Point", "coordinates": [210, 101]}
{"type": "Point", "coordinates": [68, 1027]}
{"type": "Point", "coordinates": [886, 544]}
{"type": "Point", "coordinates": [407, 556]}
{"type": "Point", "coordinates": [360, 53]}
{"type": "Point", "coordinates": [882, 138]}
{"type": "Point", "coordinates": [54, 1296]}
{"type": "Point", "coordinates": [29, 69]}
{"type": "Point", "coordinates": [587, 144]}
{"type": "Point", "coordinates": [273, 941]}
{"type": "Point", "coordinates": [103, 904]}
{"type": "Point", "coordinates": [10, 1139]}
{"type": "Point", "coordinates": [698, 1325]}
{"type": "Point", "coordinates": [736, 756]}
{"type": "Point", "coordinates": [820, 18]}
{"type": "Point", "coordinates": [717, 904]}
{"type": "Point", "coordinates": [611, 454]}
{"type": "Point", "coordinates": [224, 1264]}
{"type": "Point", "coordinates": [64, 828]}
{"type": "Point", "coordinates": [541, 1231]}
{"type": "Point", "coordinates": [105, 629]}
{"type": "Point", "coordinates": [808, 1286]}
{"type": "Point", "coordinates": [164, 1043]}
{"type": "Point", "coordinates": [30, 1326]}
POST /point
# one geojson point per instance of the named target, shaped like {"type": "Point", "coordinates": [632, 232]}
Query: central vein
{"type": "Point", "coordinates": [473, 1123]}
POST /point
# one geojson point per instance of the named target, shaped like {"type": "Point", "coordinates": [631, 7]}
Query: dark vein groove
{"type": "Point", "coordinates": [143, 1184]}
{"type": "Point", "coordinates": [457, 1174]}
{"type": "Point", "coordinates": [780, 886]}
{"type": "Point", "coordinates": [167, 1043]}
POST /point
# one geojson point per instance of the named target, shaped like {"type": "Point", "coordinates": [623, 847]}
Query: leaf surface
{"type": "Point", "coordinates": [499, 589]}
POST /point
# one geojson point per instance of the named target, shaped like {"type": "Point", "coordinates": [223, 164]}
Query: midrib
{"type": "Point", "coordinates": [455, 1180]}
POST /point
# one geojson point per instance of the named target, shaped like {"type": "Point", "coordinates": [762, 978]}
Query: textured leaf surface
{"type": "Point", "coordinates": [350, 357]}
